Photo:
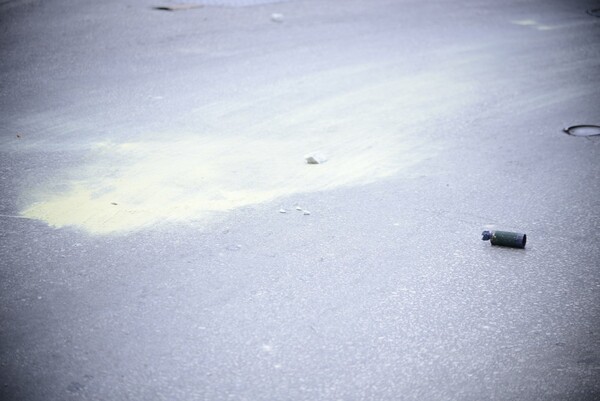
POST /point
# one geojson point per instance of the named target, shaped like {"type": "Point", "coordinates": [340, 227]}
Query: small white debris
{"type": "Point", "coordinates": [282, 211]}
{"type": "Point", "coordinates": [315, 158]}
{"type": "Point", "coordinates": [276, 17]}
{"type": "Point", "coordinates": [298, 208]}
{"type": "Point", "coordinates": [306, 212]}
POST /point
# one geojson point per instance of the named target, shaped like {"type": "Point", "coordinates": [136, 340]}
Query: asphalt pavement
{"type": "Point", "coordinates": [163, 238]}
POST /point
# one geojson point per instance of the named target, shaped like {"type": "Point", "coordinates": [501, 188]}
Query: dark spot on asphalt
{"type": "Point", "coordinates": [177, 7]}
{"type": "Point", "coordinates": [594, 12]}
{"type": "Point", "coordinates": [75, 387]}
{"type": "Point", "coordinates": [589, 360]}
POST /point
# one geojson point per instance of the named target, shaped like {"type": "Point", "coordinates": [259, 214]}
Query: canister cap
{"type": "Point", "coordinates": [486, 235]}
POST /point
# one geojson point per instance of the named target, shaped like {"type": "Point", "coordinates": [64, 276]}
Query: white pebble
{"type": "Point", "coordinates": [276, 17]}
{"type": "Point", "coordinates": [315, 158]}
{"type": "Point", "coordinates": [282, 211]}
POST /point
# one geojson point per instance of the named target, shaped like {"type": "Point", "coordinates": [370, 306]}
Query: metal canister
{"type": "Point", "coordinates": [505, 238]}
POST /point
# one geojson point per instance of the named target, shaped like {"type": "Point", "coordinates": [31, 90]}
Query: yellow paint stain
{"type": "Point", "coordinates": [534, 24]}
{"type": "Point", "coordinates": [368, 134]}
{"type": "Point", "coordinates": [188, 178]}
{"type": "Point", "coordinates": [525, 22]}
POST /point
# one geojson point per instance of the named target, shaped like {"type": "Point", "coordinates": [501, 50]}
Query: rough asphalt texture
{"type": "Point", "coordinates": [385, 292]}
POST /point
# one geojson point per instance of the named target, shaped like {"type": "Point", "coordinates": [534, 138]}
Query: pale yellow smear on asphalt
{"type": "Point", "coordinates": [367, 134]}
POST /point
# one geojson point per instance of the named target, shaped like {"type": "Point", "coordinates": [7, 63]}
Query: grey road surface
{"type": "Point", "coordinates": [162, 237]}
